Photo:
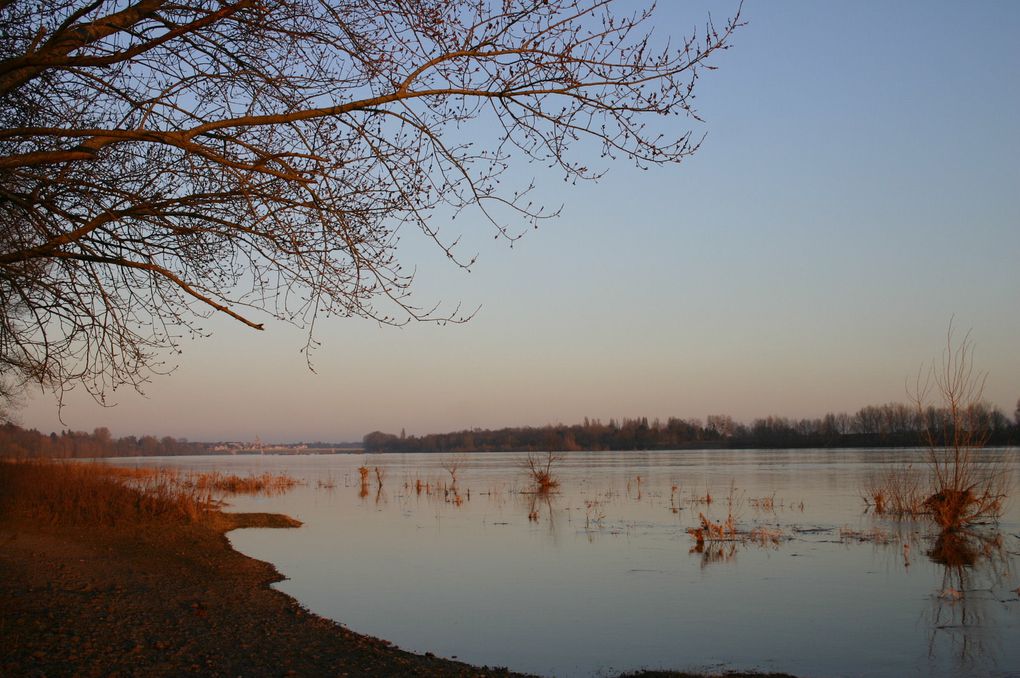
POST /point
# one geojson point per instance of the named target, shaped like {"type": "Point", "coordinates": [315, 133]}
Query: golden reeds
{"type": "Point", "coordinates": [64, 493]}
{"type": "Point", "coordinates": [263, 483]}
{"type": "Point", "coordinates": [79, 493]}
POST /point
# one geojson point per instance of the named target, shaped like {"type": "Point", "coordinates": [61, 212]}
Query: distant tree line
{"type": "Point", "coordinates": [19, 442]}
{"type": "Point", "coordinates": [891, 425]}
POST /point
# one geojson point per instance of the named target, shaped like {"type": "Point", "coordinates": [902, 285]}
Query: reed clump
{"type": "Point", "coordinates": [709, 530]}
{"type": "Point", "coordinates": [899, 492]}
{"type": "Point", "coordinates": [716, 532]}
{"type": "Point", "coordinates": [67, 493]}
{"type": "Point", "coordinates": [262, 483]}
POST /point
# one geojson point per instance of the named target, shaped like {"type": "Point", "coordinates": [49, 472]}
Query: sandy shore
{"type": "Point", "coordinates": [168, 601]}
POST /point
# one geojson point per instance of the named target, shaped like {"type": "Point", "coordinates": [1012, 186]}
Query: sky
{"type": "Point", "coordinates": [858, 188]}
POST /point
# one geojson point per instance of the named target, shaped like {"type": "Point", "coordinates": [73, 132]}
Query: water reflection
{"type": "Point", "coordinates": [541, 503]}
{"type": "Point", "coordinates": [457, 563]}
{"type": "Point", "coordinates": [975, 575]}
{"type": "Point", "coordinates": [715, 552]}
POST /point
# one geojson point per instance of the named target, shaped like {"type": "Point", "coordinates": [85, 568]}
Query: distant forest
{"type": "Point", "coordinates": [891, 425]}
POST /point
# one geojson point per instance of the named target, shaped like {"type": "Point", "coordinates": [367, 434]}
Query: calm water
{"type": "Point", "coordinates": [601, 577]}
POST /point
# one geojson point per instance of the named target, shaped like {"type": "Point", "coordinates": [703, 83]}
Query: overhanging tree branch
{"type": "Point", "coordinates": [163, 161]}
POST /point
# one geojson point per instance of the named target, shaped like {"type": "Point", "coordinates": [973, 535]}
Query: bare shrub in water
{"type": "Point", "coordinates": [541, 470]}
{"type": "Point", "coordinates": [966, 486]}
{"type": "Point", "coordinates": [452, 465]}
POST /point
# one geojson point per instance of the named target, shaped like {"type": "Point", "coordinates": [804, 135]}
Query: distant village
{"type": "Point", "coordinates": [258, 447]}
{"type": "Point", "coordinates": [19, 442]}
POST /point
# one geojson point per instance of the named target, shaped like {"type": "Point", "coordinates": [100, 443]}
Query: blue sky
{"type": "Point", "coordinates": [857, 188]}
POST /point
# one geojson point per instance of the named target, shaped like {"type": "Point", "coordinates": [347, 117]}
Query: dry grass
{"type": "Point", "coordinates": [714, 531]}
{"type": "Point", "coordinates": [63, 493]}
{"type": "Point", "coordinates": [77, 493]}
{"type": "Point", "coordinates": [899, 493]}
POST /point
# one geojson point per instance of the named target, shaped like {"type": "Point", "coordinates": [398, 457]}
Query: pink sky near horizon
{"type": "Point", "coordinates": [856, 190]}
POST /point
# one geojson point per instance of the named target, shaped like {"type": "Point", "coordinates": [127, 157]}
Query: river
{"type": "Point", "coordinates": [601, 575]}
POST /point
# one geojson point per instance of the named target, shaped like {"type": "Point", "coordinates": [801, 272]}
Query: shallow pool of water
{"type": "Point", "coordinates": [601, 575]}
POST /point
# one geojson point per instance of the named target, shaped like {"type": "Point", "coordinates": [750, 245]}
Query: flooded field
{"type": "Point", "coordinates": [700, 560]}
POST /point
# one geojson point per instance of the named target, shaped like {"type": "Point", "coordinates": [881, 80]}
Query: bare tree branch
{"type": "Point", "coordinates": [160, 162]}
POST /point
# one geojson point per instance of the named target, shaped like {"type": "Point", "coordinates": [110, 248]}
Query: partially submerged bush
{"type": "Point", "coordinates": [541, 470]}
{"type": "Point", "coordinates": [967, 487]}
{"type": "Point", "coordinates": [965, 484]}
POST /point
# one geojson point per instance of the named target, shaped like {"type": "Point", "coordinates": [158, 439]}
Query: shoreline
{"type": "Point", "coordinates": [165, 599]}
{"type": "Point", "coordinates": [171, 599]}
